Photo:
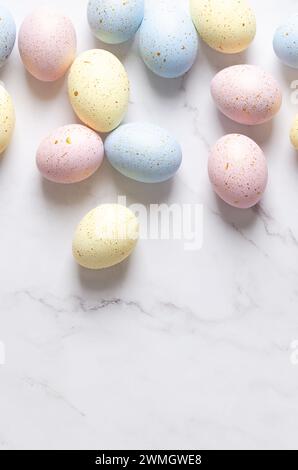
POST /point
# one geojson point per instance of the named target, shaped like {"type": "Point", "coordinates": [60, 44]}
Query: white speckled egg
{"type": "Point", "coordinates": [115, 21]}
{"type": "Point", "coordinates": [246, 94]}
{"type": "Point", "coordinates": [7, 118]}
{"type": "Point", "coordinates": [227, 26]}
{"type": "Point", "coordinates": [294, 133]}
{"type": "Point", "coordinates": [7, 34]}
{"type": "Point", "coordinates": [47, 44]}
{"type": "Point", "coordinates": [168, 40]}
{"type": "Point", "coordinates": [106, 236]}
{"type": "Point", "coordinates": [98, 89]}
{"type": "Point", "coordinates": [285, 42]}
{"type": "Point", "coordinates": [70, 154]}
{"type": "Point", "coordinates": [143, 152]}
{"type": "Point", "coordinates": [238, 170]}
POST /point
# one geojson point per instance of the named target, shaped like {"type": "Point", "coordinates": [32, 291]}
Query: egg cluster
{"type": "Point", "coordinates": [98, 89]}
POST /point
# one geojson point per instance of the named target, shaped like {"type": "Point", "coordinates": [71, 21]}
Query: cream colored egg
{"type": "Point", "coordinates": [98, 89]}
{"type": "Point", "coordinates": [106, 236]}
{"type": "Point", "coordinates": [7, 118]}
{"type": "Point", "coordinates": [294, 133]}
{"type": "Point", "coordinates": [227, 26]}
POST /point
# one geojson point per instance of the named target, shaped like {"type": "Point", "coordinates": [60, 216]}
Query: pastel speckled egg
{"type": "Point", "coordinates": [285, 42]}
{"type": "Point", "coordinates": [143, 152]}
{"type": "Point", "coordinates": [98, 89]}
{"type": "Point", "coordinates": [7, 118]}
{"type": "Point", "coordinates": [7, 34]}
{"type": "Point", "coordinates": [70, 154]}
{"type": "Point", "coordinates": [47, 44]}
{"type": "Point", "coordinates": [238, 170]}
{"type": "Point", "coordinates": [228, 26]}
{"type": "Point", "coordinates": [246, 94]}
{"type": "Point", "coordinates": [115, 21]}
{"type": "Point", "coordinates": [168, 40]}
{"type": "Point", "coordinates": [294, 133]}
{"type": "Point", "coordinates": [106, 236]}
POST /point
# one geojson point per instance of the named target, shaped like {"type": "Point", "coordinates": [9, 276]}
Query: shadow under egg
{"type": "Point", "coordinates": [235, 217]}
{"type": "Point", "coordinates": [3, 155]}
{"type": "Point", "coordinates": [260, 133]}
{"type": "Point", "coordinates": [71, 194]}
{"type": "Point", "coordinates": [289, 74]}
{"type": "Point", "coordinates": [141, 193]}
{"type": "Point", "coordinates": [45, 91]}
{"type": "Point", "coordinates": [219, 60]}
{"type": "Point", "coordinates": [119, 50]}
{"type": "Point", "coordinates": [104, 279]}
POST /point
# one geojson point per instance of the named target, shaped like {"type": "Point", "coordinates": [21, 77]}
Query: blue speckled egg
{"type": "Point", "coordinates": [285, 42]}
{"type": "Point", "coordinates": [7, 34]}
{"type": "Point", "coordinates": [143, 152]}
{"type": "Point", "coordinates": [168, 40]}
{"type": "Point", "coordinates": [115, 21]}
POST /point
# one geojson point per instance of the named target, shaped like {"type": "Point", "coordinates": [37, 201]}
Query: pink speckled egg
{"type": "Point", "coordinates": [70, 154]}
{"type": "Point", "coordinates": [238, 170]}
{"type": "Point", "coordinates": [47, 44]}
{"type": "Point", "coordinates": [246, 94]}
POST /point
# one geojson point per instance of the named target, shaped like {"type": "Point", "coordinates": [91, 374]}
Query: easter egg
{"type": "Point", "coordinates": [70, 154]}
{"type": "Point", "coordinates": [294, 133]}
{"type": "Point", "coordinates": [285, 42]}
{"type": "Point", "coordinates": [98, 89]}
{"type": "Point", "coordinates": [228, 26]}
{"type": "Point", "coordinates": [168, 40]}
{"type": "Point", "coordinates": [238, 170]}
{"type": "Point", "coordinates": [7, 34]}
{"type": "Point", "coordinates": [47, 44]}
{"type": "Point", "coordinates": [246, 94]}
{"type": "Point", "coordinates": [143, 152]}
{"type": "Point", "coordinates": [7, 118]}
{"type": "Point", "coordinates": [115, 21]}
{"type": "Point", "coordinates": [106, 236]}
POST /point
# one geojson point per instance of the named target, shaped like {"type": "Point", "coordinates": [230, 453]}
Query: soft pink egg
{"type": "Point", "coordinates": [70, 154]}
{"type": "Point", "coordinates": [238, 170]}
{"type": "Point", "coordinates": [47, 44]}
{"type": "Point", "coordinates": [246, 94]}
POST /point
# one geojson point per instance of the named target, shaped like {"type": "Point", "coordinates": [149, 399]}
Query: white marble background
{"type": "Point", "coordinates": [172, 349]}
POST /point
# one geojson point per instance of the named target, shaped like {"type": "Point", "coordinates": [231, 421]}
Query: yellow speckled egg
{"type": "Point", "coordinates": [294, 133]}
{"type": "Point", "coordinates": [227, 26]}
{"type": "Point", "coordinates": [98, 89]}
{"type": "Point", "coordinates": [106, 236]}
{"type": "Point", "coordinates": [7, 118]}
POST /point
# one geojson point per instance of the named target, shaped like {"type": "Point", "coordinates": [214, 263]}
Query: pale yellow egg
{"type": "Point", "coordinates": [98, 88]}
{"type": "Point", "coordinates": [227, 26]}
{"type": "Point", "coordinates": [7, 118]}
{"type": "Point", "coordinates": [294, 133]}
{"type": "Point", "coordinates": [106, 236]}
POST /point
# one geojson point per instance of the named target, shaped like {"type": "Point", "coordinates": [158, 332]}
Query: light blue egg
{"type": "Point", "coordinates": [285, 42]}
{"type": "Point", "coordinates": [168, 40]}
{"type": "Point", "coordinates": [7, 34]}
{"type": "Point", "coordinates": [143, 152]}
{"type": "Point", "coordinates": [115, 21]}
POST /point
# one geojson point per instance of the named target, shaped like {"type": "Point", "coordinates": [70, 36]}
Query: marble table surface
{"type": "Point", "coordinates": [174, 348]}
